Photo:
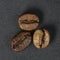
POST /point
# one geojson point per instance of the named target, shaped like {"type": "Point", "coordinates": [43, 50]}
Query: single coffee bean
{"type": "Point", "coordinates": [28, 21]}
{"type": "Point", "coordinates": [41, 38]}
{"type": "Point", "coordinates": [20, 41]}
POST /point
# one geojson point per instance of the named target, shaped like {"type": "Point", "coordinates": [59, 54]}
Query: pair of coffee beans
{"type": "Point", "coordinates": [22, 40]}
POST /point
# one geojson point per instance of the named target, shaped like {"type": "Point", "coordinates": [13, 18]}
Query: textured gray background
{"type": "Point", "coordinates": [9, 12]}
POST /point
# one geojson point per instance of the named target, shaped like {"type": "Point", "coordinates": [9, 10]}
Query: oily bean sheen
{"type": "Point", "coordinates": [20, 41]}
{"type": "Point", "coordinates": [28, 21]}
{"type": "Point", "coordinates": [41, 38]}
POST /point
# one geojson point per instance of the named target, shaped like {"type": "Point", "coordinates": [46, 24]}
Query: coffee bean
{"type": "Point", "coordinates": [20, 41]}
{"type": "Point", "coordinates": [41, 38]}
{"type": "Point", "coordinates": [28, 21]}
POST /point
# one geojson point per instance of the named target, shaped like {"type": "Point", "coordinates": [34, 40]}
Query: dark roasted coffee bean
{"type": "Point", "coordinates": [41, 38]}
{"type": "Point", "coordinates": [28, 22]}
{"type": "Point", "coordinates": [20, 41]}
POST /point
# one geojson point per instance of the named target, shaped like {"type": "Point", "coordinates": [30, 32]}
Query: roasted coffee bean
{"type": "Point", "coordinates": [41, 38]}
{"type": "Point", "coordinates": [20, 41]}
{"type": "Point", "coordinates": [28, 21]}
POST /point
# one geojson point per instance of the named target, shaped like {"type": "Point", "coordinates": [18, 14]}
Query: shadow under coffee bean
{"type": "Point", "coordinates": [52, 30]}
{"type": "Point", "coordinates": [38, 12]}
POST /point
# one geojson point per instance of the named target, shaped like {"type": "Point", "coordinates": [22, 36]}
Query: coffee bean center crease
{"type": "Point", "coordinates": [29, 22]}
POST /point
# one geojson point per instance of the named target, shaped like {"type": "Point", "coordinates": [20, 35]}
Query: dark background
{"type": "Point", "coordinates": [48, 10]}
